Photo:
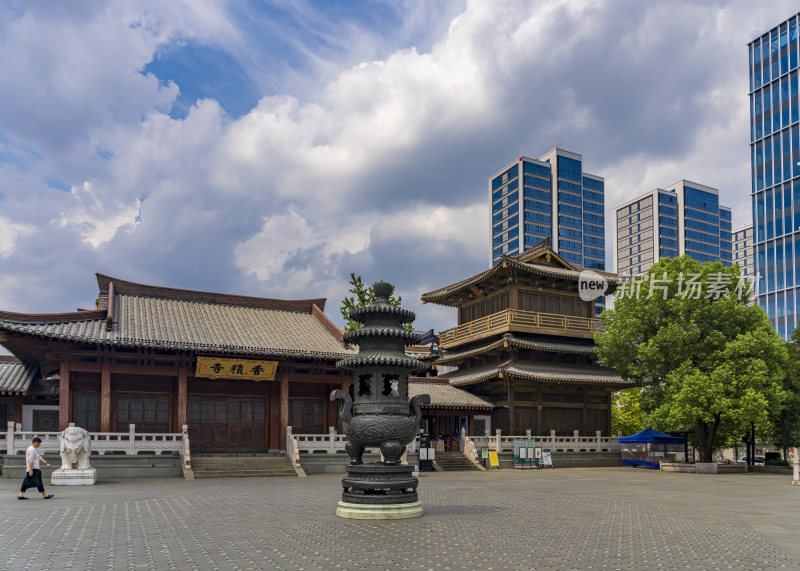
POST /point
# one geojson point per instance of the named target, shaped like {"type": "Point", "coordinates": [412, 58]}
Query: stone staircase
{"type": "Point", "coordinates": [241, 466]}
{"type": "Point", "coordinates": [453, 461]}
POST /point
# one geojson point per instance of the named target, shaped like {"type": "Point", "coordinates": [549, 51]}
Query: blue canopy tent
{"type": "Point", "coordinates": [651, 447]}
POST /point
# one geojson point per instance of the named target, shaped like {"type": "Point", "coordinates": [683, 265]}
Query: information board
{"type": "Point", "coordinates": [494, 462]}
{"type": "Point", "coordinates": [547, 461]}
{"type": "Point", "coordinates": [484, 453]}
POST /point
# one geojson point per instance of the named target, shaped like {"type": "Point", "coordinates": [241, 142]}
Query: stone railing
{"type": "Point", "coordinates": [292, 448]}
{"type": "Point", "coordinates": [469, 450]}
{"type": "Point", "coordinates": [574, 443]}
{"type": "Point", "coordinates": [15, 440]}
{"type": "Point", "coordinates": [330, 442]}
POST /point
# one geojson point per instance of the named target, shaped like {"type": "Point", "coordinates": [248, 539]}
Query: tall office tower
{"type": "Point", "coordinates": [743, 250]}
{"type": "Point", "coordinates": [683, 218]}
{"type": "Point", "coordinates": [549, 197]}
{"type": "Point", "coordinates": [774, 153]}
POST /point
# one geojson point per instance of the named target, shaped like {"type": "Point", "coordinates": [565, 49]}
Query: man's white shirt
{"type": "Point", "coordinates": [32, 455]}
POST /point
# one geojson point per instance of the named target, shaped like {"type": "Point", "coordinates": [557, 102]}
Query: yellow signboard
{"type": "Point", "coordinates": [493, 461]}
{"type": "Point", "coordinates": [218, 368]}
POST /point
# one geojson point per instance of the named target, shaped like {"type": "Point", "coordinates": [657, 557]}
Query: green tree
{"type": "Point", "coordinates": [710, 363]}
{"type": "Point", "coordinates": [626, 412]}
{"type": "Point", "coordinates": [786, 418]}
{"type": "Point", "coordinates": [363, 296]}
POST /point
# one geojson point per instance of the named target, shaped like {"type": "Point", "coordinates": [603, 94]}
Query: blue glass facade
{"type": "Point", "coordinates": [549, 197]}
{"type": "Point", "coordinates": [774, 154]}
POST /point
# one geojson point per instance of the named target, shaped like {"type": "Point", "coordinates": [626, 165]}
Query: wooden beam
{"type": "Point", "coordinates": [105, 398]}
{"type": "Point", "coordinates": [63, 396]}
{"type": "Point", "coordinates": [150, 370]}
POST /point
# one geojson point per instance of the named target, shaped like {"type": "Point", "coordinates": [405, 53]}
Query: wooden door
{"type": "Point", "coordinates": [219, 423]}
{"type": "Point", "coordinates": [148, 411]}
{"type": "Point", "coordinates": [307, 416]}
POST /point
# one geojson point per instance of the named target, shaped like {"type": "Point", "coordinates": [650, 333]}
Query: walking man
{"type": "Point", "coordinates": [33, 477]}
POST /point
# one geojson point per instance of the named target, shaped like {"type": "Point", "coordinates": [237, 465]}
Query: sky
{"type": "Point", "coordinates": [271, 148]}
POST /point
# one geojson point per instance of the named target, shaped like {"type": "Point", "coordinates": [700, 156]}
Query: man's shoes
{"type": "Point", "coordinates": [48, 496]}
{"type": "Point", "coordinates": [21, 498]}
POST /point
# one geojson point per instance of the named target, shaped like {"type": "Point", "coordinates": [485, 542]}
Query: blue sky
{"type": "Point", "coordinates": [271, 148]}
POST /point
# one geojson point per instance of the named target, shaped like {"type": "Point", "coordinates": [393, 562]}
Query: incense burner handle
{"type": "Point", "coordinates": [415, 405]}
{"type": "Point", "coordinates": [345, 404]}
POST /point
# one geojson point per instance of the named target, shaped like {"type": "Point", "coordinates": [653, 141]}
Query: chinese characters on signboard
{"type": "Point", "coordinates": [219, 368]}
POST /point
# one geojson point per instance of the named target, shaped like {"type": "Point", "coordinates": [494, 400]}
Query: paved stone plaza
{"type": "Point", "coordinates": [591, 518]}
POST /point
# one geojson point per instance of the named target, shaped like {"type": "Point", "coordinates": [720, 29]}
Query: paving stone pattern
{"type": "Point", "coordinates": [488, 522]}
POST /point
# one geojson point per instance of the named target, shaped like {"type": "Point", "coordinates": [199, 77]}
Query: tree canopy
{"type": "Point", "coordinates": [786, 419]}
{"type": "Point", "coordinates": [363, 296]}
{"type": "Point", "coordinates": [706, 362]}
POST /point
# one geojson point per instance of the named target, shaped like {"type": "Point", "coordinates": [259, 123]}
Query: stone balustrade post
{"type": "Point", "coordinates": [10, 438]}
{"type": "Point", "coordinates": [528, 434]}
{"type": "Point", "coordinates": [599, 441]}
{"type": "Point", "coordinates": [577, 443]}
{"type": "Point", "coordinates": [18, 427]}
{"type": "Point", "coordinates": [498, 442]}
{"type": "Point", "coordinates": [131, 439]}
{"type": "Point", "coordinates": [553, 440]}
{"type": "Point", "coordinates": [331, 440]}
{"type": "Point", "coordinates": [187, 462]}
{"type": "Point", "coordinates": [796, 472]}
{"type": "Point", "coordinates": [619, 435]}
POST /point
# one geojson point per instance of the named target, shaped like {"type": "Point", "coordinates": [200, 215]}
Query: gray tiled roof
{"type": "Point", "coordinates": [447, 396]}
{"type": "Point", "coordinates": [198, 326]}
{"type": "Point", "coordinates": [535, 345]}
{"type": "Point", "coordinates": [440, 295]}
{"type": "Point", "coordinates": [544, 372]}
{"type": "Point", "coordinates": [15, 376]}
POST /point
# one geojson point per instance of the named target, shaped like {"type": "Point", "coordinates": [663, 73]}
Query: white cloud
{"type": "Point", "coordinates": [10, 232]}
{"type": "Point", "coordinates": [97, 221]}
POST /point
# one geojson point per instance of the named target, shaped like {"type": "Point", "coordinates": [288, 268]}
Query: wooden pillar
{"type": "Point", "coordinates": [273, 420]}
{"type": "Point", "coordinates": [328, 416]}
{"type": "Point", "coordinates": [63, 396]}
{"type": "Point", "coordinates": [183, 400]}
{"type": "Point", "coordinates": [18, 412]}
{"type": "Point", "coordinates": [284, 419]}
{"type": "Point", "coordinates": [539, 412]}
{"type": "Point", "coordinates": [510, 401]}
{"type": "Point", "coordinates": [585, 416]}
{"type": "Point", "coordinates": [105, 397]}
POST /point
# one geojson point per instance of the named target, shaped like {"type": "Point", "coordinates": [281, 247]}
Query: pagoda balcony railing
{"type": "Point", "coordinates": [520, 320]}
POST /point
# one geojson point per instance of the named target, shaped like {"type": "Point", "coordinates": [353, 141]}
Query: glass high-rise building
{"type": "Point", "coordinates": [683, 218]}
{"type": "Point", "coordinates": [549, 197]}
{"type": "Point", "coordinates": [774, 154]}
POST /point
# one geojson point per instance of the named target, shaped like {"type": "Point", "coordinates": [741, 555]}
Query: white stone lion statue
{"type": "Point", "coordinates": [75, 446]}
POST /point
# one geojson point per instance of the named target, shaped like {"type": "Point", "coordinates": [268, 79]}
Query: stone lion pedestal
{"type": "Point", "coordinates": [75, 447]}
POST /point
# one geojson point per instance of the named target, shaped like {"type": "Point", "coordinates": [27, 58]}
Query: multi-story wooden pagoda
{"type": "Point", "coordinates": [525, 342]}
